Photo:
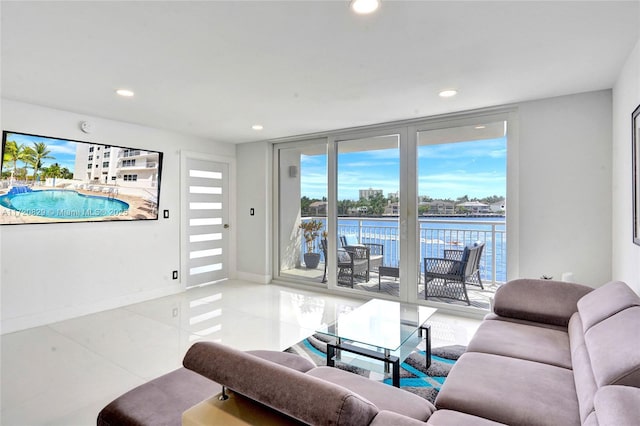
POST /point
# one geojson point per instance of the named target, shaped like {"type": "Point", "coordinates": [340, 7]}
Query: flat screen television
{"type": "Point", "coordinates": [51, 180]}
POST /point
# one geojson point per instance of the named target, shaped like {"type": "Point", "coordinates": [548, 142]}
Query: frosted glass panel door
{"type": "Point", "coordinates": [207, 201]}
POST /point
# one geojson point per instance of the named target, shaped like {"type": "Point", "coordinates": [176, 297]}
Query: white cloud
{"type": "Point", "coordinates": [68, 148]}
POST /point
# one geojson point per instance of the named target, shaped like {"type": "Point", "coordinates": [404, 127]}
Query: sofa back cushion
{"type": "Point", "coordinates": [604, 302]}
{"type": "Point", "coordinates": [614, 349]}
{"type": "Point", "coordinates": [542, 301]}
{"type": "Point", "coordinates": [301, 396]}
{"type": "Point", "coordinates": [585, 382]}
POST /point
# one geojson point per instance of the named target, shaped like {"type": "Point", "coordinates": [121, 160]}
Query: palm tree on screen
{"type": "Point", "coordinates": [36, 154]}
{"type": "Point", "coordinates": [14, 152]}
{"type": "Point", "coordinates": [53, 171]}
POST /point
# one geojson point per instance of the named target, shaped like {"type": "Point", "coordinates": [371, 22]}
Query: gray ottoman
{"type": "Point", "coordinates": [159, 402]}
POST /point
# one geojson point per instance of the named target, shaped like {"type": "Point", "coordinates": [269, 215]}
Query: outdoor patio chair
{"type": "Point", "coordinates": [448, 277]}
{"type": "Point", "coordinates": [352, 263]}
{"type": "Point", "coordinates": [375, 251]}
{"type": "Point", "coordinates": [456, 254]}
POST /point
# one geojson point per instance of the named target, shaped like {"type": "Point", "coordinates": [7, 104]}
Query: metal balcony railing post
{"type": "Point", "coordinates": [494, 253]}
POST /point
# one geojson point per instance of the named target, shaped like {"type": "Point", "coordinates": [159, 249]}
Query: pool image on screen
{"type": "Point", "coordinates": [50, 180]}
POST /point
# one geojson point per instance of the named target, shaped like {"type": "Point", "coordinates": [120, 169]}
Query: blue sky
{"type": "Point", "coordinates": [63, 151]}
{"type": "Point", "coordinates": [476, 169]}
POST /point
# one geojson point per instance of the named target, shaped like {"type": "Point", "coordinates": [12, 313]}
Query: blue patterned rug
{"type": "Point", "coordinates": [414, 377]}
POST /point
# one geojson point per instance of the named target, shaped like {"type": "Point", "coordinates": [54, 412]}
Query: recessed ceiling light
{"type": "Point", "coordinates": [125, 92]}
{"type": "Point", "coordinates": [363, 7]}
{"type": "Point", "coordinates": [448, 93]}
{"type": "Point", "coordinates": [257, 127]}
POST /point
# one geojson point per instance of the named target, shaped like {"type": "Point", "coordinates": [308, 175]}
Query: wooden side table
{"type": "Point", "coordinates": [238, 410]}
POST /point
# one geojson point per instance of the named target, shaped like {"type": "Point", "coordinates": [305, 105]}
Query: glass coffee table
{"type": "Point", "coordinates": [379, 331]}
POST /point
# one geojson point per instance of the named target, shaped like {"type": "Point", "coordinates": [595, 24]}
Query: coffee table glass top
{"type": "Point", "coordinates": [380, 323]}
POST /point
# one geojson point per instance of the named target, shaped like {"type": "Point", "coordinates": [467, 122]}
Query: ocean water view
{"type": "Point", "coordinates": [436, 235]}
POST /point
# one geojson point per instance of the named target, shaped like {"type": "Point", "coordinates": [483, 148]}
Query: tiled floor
{"type": "Point", "coordinates": [64, 373]}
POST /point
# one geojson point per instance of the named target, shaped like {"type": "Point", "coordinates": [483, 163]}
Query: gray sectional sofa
{"type": "Point", "coordinates": [551, 353]}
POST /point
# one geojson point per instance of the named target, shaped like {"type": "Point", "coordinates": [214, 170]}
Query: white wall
{"type": "Point", "coordinates": [561, 197]}
{"type": "Point", "coordinates": [52, 272]}
{"type": "Point", "coordinates": [564, 191]}
{"type": "Point", "coordinates": [56, 271]}
{"type": "Point", "coordinates": [254, 191]}
{"type": "Point", "coordinates": [626, 97]}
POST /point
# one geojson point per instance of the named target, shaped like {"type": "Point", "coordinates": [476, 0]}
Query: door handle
{"type": "Point", "coordinates": [226, 226]}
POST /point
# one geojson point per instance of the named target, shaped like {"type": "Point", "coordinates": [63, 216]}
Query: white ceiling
{"type": "Point", "coordinates": [214, 68]}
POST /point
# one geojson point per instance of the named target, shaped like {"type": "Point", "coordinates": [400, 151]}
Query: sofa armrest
{"type": "Point", "coordinates": [358, 252]}
{"type": "Point", "coordinates": [544, 301]}
{"type": "Point", "coordinates": [375, 248]}
{"type": "Point", "coordinates": [296, 394]}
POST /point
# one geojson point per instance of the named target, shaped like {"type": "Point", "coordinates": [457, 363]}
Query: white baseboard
{"type": "Point", "coordinates": [256, 278]}
{"type": "Point", "coordinates": [10, 325]}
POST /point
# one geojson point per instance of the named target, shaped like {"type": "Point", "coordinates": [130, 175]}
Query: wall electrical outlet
{"type": "Point", "coordinates": [174, 275]}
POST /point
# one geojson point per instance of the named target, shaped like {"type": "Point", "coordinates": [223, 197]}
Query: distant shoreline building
{"type": "Point", "coordinates": [475, 207]}
{"type": "Point", "coordinates": [368, 193]}
{"type": "Point", "coordinates": [439, 207]}
{"type": "Point", "coordinates": [318, 208]}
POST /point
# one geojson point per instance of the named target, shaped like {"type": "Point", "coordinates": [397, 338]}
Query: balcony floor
{"type": "Point", "coordinates": [479, 298]}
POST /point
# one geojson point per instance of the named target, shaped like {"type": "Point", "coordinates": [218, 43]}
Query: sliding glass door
{"type": "Point", "coordinates": [359, 212]}
{"type": "Point", "coordinates": [368, 209]}
{"type": "Point", "coordinates": [461, 205]}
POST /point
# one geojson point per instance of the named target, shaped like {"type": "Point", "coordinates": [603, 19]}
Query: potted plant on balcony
{"type": "Point", "coordinates": [311, 231]}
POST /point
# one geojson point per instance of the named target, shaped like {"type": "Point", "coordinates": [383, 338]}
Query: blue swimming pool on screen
{"type": "Point", "coordinates": [63, 204]}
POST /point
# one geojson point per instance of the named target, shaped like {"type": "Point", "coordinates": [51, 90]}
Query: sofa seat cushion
{"type": "Point", "coordinates": [510, 391]}
{"type": "Point", "coordinates": [160, 401]}
{"type": "Point", "coordinates": [383, 396]}
{"type": "Point", "coordinates": [496, 317]}
{"type": "Point", "coordinates": [522, 341]}
{"type": "Point", "coordinates": [618, 405]}
{"type": "Point", "coordinates": [389, 418]}
{"type": "Point", "coordinates": [456, 418]}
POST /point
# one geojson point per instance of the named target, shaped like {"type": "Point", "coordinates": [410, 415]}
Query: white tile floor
{"type": "Point", "coordinates": [64, 373]}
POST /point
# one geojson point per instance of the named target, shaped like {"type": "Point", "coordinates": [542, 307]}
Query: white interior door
{"type": "Point", "coordinates": [206, 221]}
